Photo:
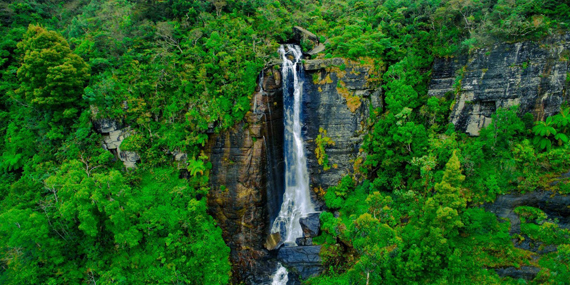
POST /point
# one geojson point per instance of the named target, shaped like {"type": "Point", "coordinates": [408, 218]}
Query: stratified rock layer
{"type": "Point", "coordinates": [246, 179]}
{"type": "Point", "coordinates": [338, 96]}
{"type": "Point", "coordinates": [530, 74]}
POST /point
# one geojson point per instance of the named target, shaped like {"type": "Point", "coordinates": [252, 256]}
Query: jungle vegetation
{"type": "Point", "coordinates": [170, 69]}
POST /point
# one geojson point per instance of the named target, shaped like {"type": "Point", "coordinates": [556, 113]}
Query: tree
{"type": "Point", "coordinates": [51, 75]}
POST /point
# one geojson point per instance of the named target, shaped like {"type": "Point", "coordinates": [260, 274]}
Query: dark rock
{"type": "Point", "coordinates": [304, 241]}
{"type": "Point", "coordinates": [525, 272]}
{"type": "Point", "coordinates": [302, 35]}
{"type": "Point", "coordinates": [263, 272]}
{"type": "Point", "coordinates": [303, 260]}
{"type": "Point", "coordinates": [530, 74]}
{"type": "Point", "coordinates": [555, 206]}
{"type": "Point", "coordinates": [311, 225]}
{"type": "Point", "coordinates": [534, 246]}
{"type": "Point", "coordinates": [105, 126]}
{"type": "Point", "coordinates": [246, 179]}
{"type": "Point", "coordinates": [325, 106]}
{"type": "Point", "coordinates": [114, 133]}
{"type": "Point", "coordinates": [248, 161]}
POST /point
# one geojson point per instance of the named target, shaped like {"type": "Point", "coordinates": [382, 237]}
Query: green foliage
{"type": "Point", "coordinates": [92, 225]}
{"type": "Point", "coordinates": [530, 213]}
{"type": "Point", "coordinates": [557, 265]}
{"type": "Point", "coordinates": [51, 75]}
{"type": "Point", "coordinates": [553, 129]}
{"type": "Point", "coordinates": [322, 141]}
{"type": "Point", "coordinates": [176, 70]}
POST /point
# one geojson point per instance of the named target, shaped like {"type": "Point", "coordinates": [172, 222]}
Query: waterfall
{"type": "Point", "coordinates": [297, 199]}
{"type": "Point", "coordinates": [280, 277]}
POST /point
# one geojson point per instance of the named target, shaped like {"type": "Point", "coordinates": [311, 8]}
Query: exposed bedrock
{"type": "Point", "coordinates": [301, 260]}
{"type": "Point", "coordinates": [555, 206]}
{"type": "Point", "coordinates": [114, 133]}
{"type": "Point", "coordinates": [533, 75]}
{"type": "Point", "coordinates": [338, 96]}
{"type": "Point", "coordinates": [246, 179]}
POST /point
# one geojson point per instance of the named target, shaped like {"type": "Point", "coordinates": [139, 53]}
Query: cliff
{"type": "Point", "coordinates": [246, 177]}
{"type": "Point", "coordinates": [531, 74]}
{"type": "Point", "coordinates": [338, 96]}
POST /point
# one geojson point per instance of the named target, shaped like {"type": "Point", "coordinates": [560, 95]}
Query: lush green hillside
{"type": "Point", "coordinates": [171, 70]}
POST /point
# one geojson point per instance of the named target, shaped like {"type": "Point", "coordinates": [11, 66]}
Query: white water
{"type": "Point", "coordinates": [280, 277]}
{"type": "Point", "coordinates": [297, 199]}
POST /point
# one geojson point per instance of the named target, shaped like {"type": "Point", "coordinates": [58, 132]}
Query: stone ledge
{"type": "Point", "coordinates": [316, 64]}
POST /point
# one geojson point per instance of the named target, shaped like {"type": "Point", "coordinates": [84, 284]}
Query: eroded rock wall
{"type": "Point", "coordinates": [246, 181]}
{"type": "Point", "coordinates": [533, 75]}
{"type": "Point", "coordinates": [338, 96]}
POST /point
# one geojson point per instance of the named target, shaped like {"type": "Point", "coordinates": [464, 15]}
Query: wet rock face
{"type": "Point", "coordinates": [530, 74]}
{"type": "Point", "coordinates": [273, 241]}
{"type": "Point", "coordinates": [311, 225]}
{"type": "Point", "coordinates": [246, 179]}
{"type": "Point", "coordinates": [337, 101]}
{"type": "Point", "coordinates": [303, 261]}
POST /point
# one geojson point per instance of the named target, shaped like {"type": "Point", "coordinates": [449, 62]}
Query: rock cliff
{"type": "Point", "coordinates": [338, 96]}
{"type": "Point", "coordinates": [246, 178]}
{"type": "Point", "coordinates": [533, 75]}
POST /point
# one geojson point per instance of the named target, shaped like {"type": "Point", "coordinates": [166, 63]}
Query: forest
{"type": "Point", "coordinates": [174, 70]}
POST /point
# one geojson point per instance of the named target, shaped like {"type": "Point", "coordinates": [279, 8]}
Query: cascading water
{"type": "Point", "coordinates": [280, 277]}
{"type": "Point", "coordinates": [297, 199]}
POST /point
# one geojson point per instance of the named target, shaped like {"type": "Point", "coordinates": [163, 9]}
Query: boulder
{"type": "Point", "coordinates": [304, 241]}
{"type": "Point", "coordinates": [303, 34]}
{"type": "Point", "coordinates": [129, 158]}
{"type": "Point", "coordinates": [311, 225]}
{"type": "Point", "coordinates": [105, 126]}
{"type": "Point", "coordinates": [114, 133]}
{"type": "Point", "coordinates": [317, 49]}
{"type": "Point", "coordinates": [299, 254]}
{"type": "Point", "coordinates": [273, 241]}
